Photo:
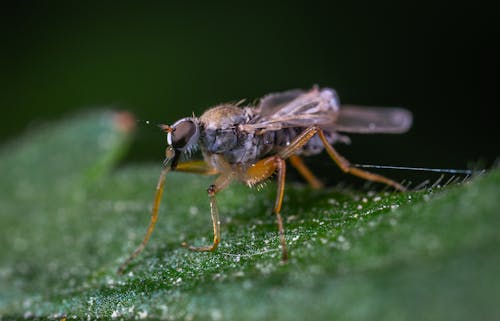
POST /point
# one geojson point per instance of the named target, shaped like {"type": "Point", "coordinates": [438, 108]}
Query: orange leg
{"type": "Point", "coordinates": [299, 164]}
{"type": "Point", "coordinates": [154, 218]}
{"type": "Point", "coordinates": [343, 163]}
{"type": "Point", "coordinates": [262, 170]}
{"type": "Point", "coordinates": [197, 167]}
{"type": "Point", "coordinates": [267, 166]}
{"type": "Point", "coordinates": [281, 169]}
{"type": "Point", "coordinates": [346, 166]}
{"type": "Point", "coordinates": [220, 183]}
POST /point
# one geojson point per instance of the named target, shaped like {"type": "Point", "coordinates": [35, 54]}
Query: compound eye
{"type": "Point", "coordinates": [182, 133]}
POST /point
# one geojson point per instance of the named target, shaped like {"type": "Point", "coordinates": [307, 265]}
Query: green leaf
{"type": "Point", "coordinates": [69, 217]}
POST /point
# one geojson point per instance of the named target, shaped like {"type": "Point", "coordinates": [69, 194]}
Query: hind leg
{"type": "Point", "coordinates": [343, 163]}
{"type": "Point", "coordinates": [301, 167]}
{"type": "Point", "coordinates": [346, 166]}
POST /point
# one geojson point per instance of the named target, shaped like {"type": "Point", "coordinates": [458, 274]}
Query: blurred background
{"type": "Point", "coordinates": [163, 60]}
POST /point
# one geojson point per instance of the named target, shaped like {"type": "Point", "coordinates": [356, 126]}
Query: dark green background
{"type": "Point", "coordinates": [163, 60]}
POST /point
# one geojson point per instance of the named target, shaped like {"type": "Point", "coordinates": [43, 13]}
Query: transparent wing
{"type": "Point", "coordinates": [272, 103]}
{"type": "Point", "coordinates": [295, 108]}
{"type": "Point", "coordinates": [362, 119]}
{"type": "Point", "coordinates": [321, 107]}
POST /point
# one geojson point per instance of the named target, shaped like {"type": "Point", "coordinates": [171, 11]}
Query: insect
{"type": "Point", "coordinates": [252, 143]}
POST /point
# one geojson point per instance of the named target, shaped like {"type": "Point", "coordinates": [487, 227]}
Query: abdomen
{"type": "Point", "coordinates": [274, 141]}
{"type": "Point", "coordinates": [243, 148]}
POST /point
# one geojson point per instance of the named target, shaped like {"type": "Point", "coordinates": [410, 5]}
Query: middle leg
{"type": "Point", "coordinates": [259, 172]}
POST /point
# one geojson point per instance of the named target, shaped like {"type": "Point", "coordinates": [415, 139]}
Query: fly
{"type": "Point", "coordinates": [252, 143]}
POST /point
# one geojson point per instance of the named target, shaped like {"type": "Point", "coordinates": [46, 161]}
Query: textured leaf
{"type": "Point", "coordinates": [69, 218]}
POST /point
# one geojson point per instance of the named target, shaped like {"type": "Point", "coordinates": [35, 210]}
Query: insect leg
{"type": "Point", "coordinates": [202, 167]}
{"type": "Point", "coordinates": [297, 162]}
{"type": "Point", "coordinates": [298, 142]}
{"type": "Point", "coordinates": [343, 163]}
{"type": "Point", "coordinates": [262, 170]}
{"type": "Point", "coordinates": [281, 168]}
{"type": "Point", "coordinates": [346, 166]}
{"type": "Point", "coordinates": [197, 167]}
{"type": "Point", "coordinates": [154, 218]}
{"type": "Point", "coordinates": [220, 183]}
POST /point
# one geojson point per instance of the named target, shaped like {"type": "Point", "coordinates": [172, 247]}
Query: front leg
{"type": "Point", "coordinates": [214, 212]}
{"type": "Point", "coordinates": [220, 183]}
{"type": "Point", "coordinates": [152, 223]}
{"type": "Point", "coordinates": [197, 167]}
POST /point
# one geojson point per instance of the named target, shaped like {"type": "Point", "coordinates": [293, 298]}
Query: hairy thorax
{"type": "Point", "coordinates": [220, 135]}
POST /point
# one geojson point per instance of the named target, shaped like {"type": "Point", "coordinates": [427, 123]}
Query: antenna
{"type": "Point", "coordinates": [163, 127]}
